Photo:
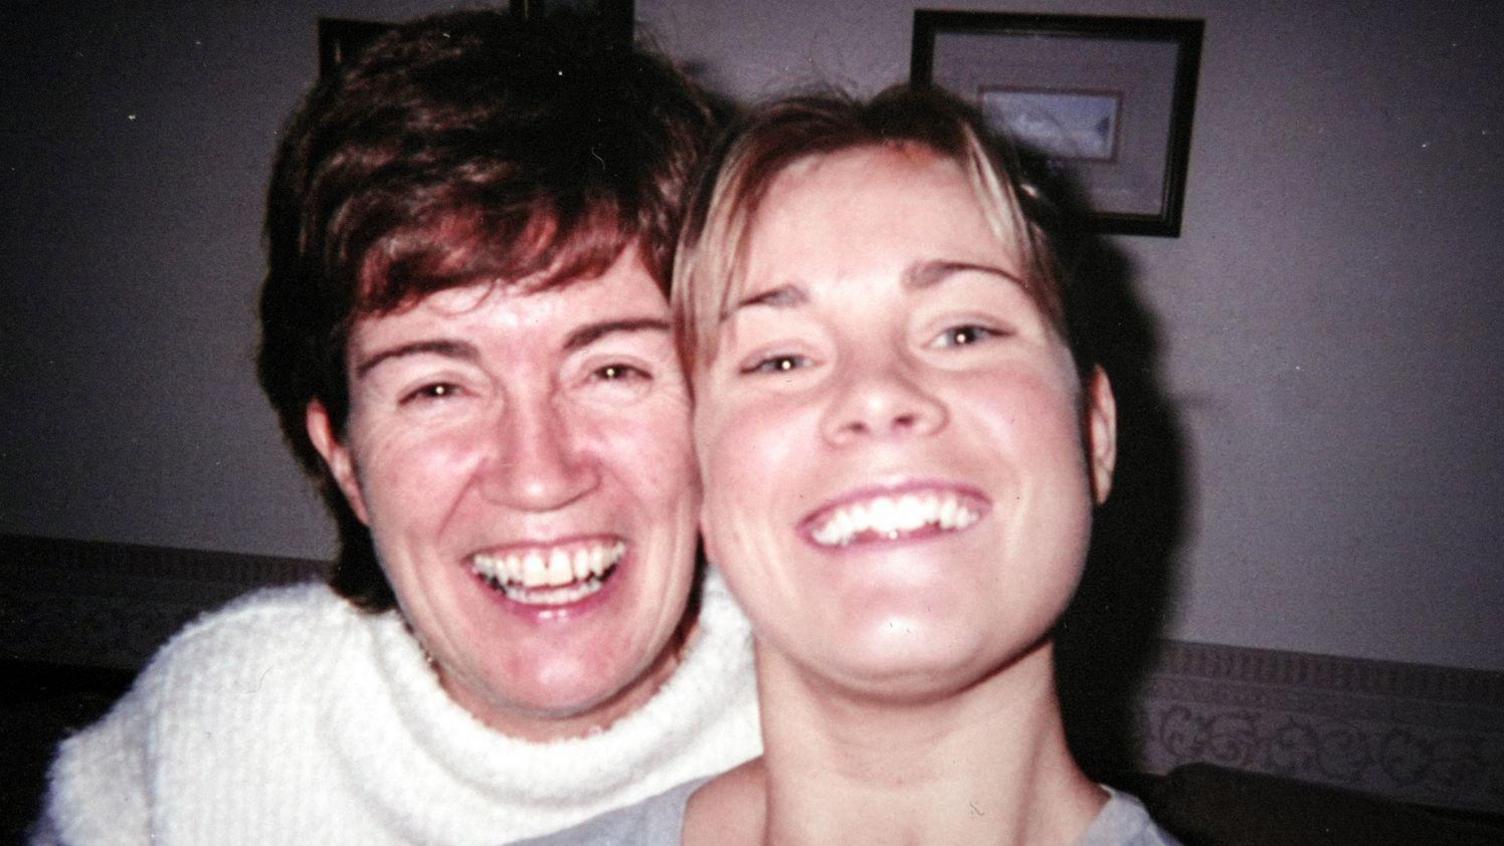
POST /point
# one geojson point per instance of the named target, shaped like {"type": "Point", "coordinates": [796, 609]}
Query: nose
{"type": "Point", "coordinates": [882, 399]}
{"type": "Point", "coordinates": [538, 463]}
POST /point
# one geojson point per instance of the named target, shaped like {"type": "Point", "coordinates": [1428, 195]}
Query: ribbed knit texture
{"type": "Point", "coordinates": [291, 717]}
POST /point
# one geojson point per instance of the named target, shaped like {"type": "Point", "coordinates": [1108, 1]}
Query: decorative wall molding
{"type": "Point", "coordinates": [1431, 735]}
{"type": "Point", "coordinates": [1424, 734]}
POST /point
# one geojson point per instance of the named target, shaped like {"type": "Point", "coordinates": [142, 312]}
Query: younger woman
{"type": "Point", "coordinates": [900, 456]}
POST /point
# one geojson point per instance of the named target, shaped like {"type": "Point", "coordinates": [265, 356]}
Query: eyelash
{"type": "Point", "coordinates": [781, 363]}
{"type": "Point", "coordinates": [946, 338]}
{"type": "Point", "coordinates": [433, 392]}
{"type": "Point", "coordinates": [622, 372]}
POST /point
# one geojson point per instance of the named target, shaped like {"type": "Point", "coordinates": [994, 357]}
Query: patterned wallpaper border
{"type": "Point", "coordinates": [1432, 735]}
{"type": "Point", "coordinates": [1425, 734]}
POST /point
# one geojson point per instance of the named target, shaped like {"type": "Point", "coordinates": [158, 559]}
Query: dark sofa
{"type": "Point", "coordinates": [1204, 805]}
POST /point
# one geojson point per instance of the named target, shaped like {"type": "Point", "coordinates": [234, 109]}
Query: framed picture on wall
{"type": "Point", "coordinates": [340, 38]}
{"type": "Point", "coordinates": [1108, 102]}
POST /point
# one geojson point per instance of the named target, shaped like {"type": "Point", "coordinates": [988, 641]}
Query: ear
{"type": "Point", "coordinates": [336, 456]}
{"type": "Point", "coordinates": [1101, 430]}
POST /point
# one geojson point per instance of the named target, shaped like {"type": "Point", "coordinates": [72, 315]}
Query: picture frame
{"type": "Point", "coordinates": [1106, 101]}
{"type": "Point", "coordinates": [340, 38]}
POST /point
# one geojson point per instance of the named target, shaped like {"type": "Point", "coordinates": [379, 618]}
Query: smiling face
{"type": "Point", "coordinates": [524, 465]}
{"type": "Point", "coordinates": [898, 460]}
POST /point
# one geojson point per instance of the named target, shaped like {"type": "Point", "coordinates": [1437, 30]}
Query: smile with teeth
{"type": "Point", "coordinates": [893, 517]}
{"type": "Point", "coordinates": [555, 575]}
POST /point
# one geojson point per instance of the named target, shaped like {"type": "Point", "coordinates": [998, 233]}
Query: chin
{"type": "Point", "coordinates": [906, 660]}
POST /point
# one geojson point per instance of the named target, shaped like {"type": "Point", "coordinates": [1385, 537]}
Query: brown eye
{"type": "Point", "coordinates": [965, 335]}
{"type": "Point", "coordinates": [777, 364]}
{"type": "Point", "coordinates": [618, 372]}
{"type": "Point", "coordinates": [432, 392]}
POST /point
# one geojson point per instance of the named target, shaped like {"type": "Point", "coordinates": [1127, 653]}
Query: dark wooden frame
{"type": "Point", "coordinates": [339, 38]}
{"type": "Point", "coordinates": [1184, 35]}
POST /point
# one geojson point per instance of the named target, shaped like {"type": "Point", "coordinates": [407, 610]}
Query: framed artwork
{"type": "Point", "coordinates": [340, 38]}
{"type": "Point", "coordinates": [1108, 101]}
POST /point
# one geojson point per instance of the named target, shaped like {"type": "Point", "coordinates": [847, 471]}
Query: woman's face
{"type": "Point", "coordinates": [523, 462]}
{"type": "Point", "coordinates": [898, 463]}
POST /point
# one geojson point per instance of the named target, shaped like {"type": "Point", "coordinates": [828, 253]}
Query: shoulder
{"type": "Point", "coordinates": [270, 650]}
{"type": "Point", "coordinates": [280, 629]}
{"type": "Point", "coordinates": [1123, 821]}
{"type": "Point", "coordinates": [229, 673]}
{"type": "Point", "coordinates": [266, 626]}
{"type": "Point", "coordinates": [274, 611]}
{"type": "Point", "coordinates": [655, 821]}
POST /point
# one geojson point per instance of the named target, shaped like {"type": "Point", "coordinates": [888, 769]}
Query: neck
{"type": "Point", "coordinates": [987, 764]}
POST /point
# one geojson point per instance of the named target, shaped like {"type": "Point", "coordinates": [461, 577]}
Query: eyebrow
{"type": "Point", "coordinates": [466, 351]}
{"type": "Point", "coordinates": [590, 333]}
{"type": "Point", "coordinates": [439, 346]}
{"type": "Point", "coordinates": [917, 276]}
{"type": "Point", "coordinates": [927, 274]}
{"type": "Point", "coordinates": [790, 295]}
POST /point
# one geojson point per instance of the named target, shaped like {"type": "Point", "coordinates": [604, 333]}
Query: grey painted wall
{"type": "Point", "coordinates": [137, 142]}
{"type": "Point", "coordinates": [1331, 315]}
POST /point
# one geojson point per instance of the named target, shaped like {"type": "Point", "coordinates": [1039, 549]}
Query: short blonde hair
{"type": "Point", "coordinates": [723, 209]}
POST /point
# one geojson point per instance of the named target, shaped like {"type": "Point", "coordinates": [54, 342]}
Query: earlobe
{"type": "Point", "coordinates": [1101, 433]}
{"type": "Point", "coordinates": [336, 456]}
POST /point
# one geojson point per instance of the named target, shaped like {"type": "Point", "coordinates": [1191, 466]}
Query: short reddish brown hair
{"type": "Point", "coordinates": [459, 148]}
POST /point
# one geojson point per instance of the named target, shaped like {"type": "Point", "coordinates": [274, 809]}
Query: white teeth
{"type": "Point", "coordinates": [550, 576]}
{"type": "Point", "coordinates": [560, 571]}
{"type": "Point", "coordinates": [534, 571]}
{"type": "Point", "coordinates": [552, 596]}
{"type": "Point", "coordinates": [859, 519]}
{"type": "Point", "coordinates": [948, 513]}
{"type": "Point", "coordinates": [889, 517]}
{"type": "Point", "coordinates": [911, 513]}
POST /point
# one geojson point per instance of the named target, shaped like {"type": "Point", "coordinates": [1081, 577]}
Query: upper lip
{"type": "Point", "coordinates": [522, 546]}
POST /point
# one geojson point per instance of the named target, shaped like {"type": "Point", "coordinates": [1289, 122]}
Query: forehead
{"type": "Point", "coordinates": [625, 291]}
{"type": "Point", "coordinates": [846, 205]}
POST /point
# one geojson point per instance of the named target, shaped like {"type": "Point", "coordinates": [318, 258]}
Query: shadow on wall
{"type": "Point", "coordinates": [1108, 639]}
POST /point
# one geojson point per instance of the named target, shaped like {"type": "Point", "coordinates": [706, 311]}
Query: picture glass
{"type": "Point", "coordinates": [1075, 125]}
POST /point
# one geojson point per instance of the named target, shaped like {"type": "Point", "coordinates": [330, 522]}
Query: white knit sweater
{"type": "Point", "coordinates": [291, 717]}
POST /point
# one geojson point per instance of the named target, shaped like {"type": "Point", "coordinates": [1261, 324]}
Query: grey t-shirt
{"type": "Point", "coordinates": [659, 821]}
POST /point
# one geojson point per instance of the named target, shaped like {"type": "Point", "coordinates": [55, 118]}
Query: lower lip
{"type": "Point", "coordinates": [554, 613]}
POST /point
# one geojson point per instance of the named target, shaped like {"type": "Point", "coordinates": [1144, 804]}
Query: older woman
{"type": "Point", "coordinates": [900, 455]}
{"type": "Point", "coordinates": [466, 336]}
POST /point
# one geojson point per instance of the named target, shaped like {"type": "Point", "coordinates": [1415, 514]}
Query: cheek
{"type": "Point", "coordinates": [1032, 416]}
{"type": "Point", "coordinates": [751, 460]}
{"type": "Point", "coordinates": [413, 477]}
{"type": "Point", "coordinates": [648, 449]}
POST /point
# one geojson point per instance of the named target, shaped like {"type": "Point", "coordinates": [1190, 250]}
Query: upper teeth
{"type": "Point", "coordinates": [549, 567]}
{"type": "Point", "coordinates": [889, 516]}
